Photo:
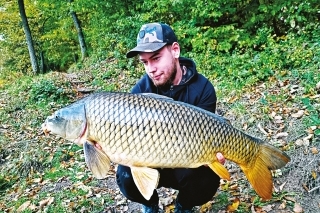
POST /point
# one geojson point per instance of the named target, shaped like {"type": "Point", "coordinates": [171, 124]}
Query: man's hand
{"type": "Point", "coordinates": [221, 158]}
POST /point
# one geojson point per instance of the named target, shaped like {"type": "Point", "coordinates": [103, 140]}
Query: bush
{"type": "Point", "coordinates": [49, 91]}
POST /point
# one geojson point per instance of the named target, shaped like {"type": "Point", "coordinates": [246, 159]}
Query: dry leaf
{"type": "Point", "coordinates": [37, 180]}
{"type": "Point", "coordinates": [314, 150]}
{"type": "Point", "coordinates": [262, 129]}
{"type": "Point", "coordinates": [169, 208]}
{"type": "Point", "coordinates": [290, 199]}
{"type": "Point", "coordinates": [297, 208]}
{"type": "Point", "coordinates": [273, 114]}
{"type": "Point", "coordinates": [267, 208]}
{"type": "Point", "coordinates": [308, 137]}
{"type": "Point", "coordinates": [278, 117]}
{"type": "Point", "coordinates": [282, 185]}
{"type": "Point", "coordinates": [24, 206]}
{"type": "Point", "coordinates": [281, 134]}
{"type": "Point", "coordinates": [46, 202]}
{"type": "Point", "coordinates": [206, 207]}
{"type": "Point", "coordinates": [234, 206]}
{"type": "Point", "coordinates": [252, 209]}
{"type": "Point", "coordinates": [300, 142]}
{"type": "Point", "coordinates": [283, 205]}
{"type": "Point", "coordinates": [298, 114]}
{"type": "Point", "coordinates": [314, 174]}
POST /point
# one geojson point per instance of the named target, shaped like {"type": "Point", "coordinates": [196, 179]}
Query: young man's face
{"type": "Point", "coordinates": [160, 65]}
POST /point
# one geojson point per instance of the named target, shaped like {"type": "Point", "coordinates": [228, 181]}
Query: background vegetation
{"type": "Point", "coordinates": [262, 56]}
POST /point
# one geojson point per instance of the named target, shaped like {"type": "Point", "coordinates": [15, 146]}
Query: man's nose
{"type": "Point", "coordinates": [151, 68]}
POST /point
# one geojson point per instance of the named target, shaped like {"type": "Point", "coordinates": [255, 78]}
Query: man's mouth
{"type": "Point", "coordinates": [157, 77]}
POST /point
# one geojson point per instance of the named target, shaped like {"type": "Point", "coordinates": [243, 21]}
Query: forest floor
{"type": "Point", "coordinates": [48, 174]}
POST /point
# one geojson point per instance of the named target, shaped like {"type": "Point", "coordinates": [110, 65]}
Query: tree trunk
{"type": "Point", "coordinates": [77, 24]}
{"type": "Point", "coordinates": [27, 32]}
{"type": "Point", "coordinates": [42, 68]}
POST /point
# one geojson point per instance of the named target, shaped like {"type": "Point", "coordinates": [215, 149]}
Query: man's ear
{"type": "Point", "coordinates": [175, 50]}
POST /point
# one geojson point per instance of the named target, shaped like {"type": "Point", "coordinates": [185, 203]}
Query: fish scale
{"type": "Point", "coordinates": [146, 131]}
{"type": "Point", "coordinates": [193, 137]}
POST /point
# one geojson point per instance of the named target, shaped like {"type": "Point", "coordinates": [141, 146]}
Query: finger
{"type": "Point", "coordinates": [221, 158]}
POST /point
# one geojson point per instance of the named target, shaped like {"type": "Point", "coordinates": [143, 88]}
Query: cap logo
{"type": "Point", "coordinates": [150, 35]}
{"type": "Point", "coordinates": [142, 33]}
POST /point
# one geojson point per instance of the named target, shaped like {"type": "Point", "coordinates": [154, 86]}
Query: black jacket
{"type": "Point", "coordinates": [194, 88]}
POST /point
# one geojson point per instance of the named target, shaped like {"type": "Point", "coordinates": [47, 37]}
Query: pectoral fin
{"type": "Point", "coordinates": [146, 180]}
{"type": "Point", "coordinates": [220, 170]}
{"type": "Point", "coordinates": [97, 161]}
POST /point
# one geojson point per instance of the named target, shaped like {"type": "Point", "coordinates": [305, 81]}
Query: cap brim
{"type": "Point", "coordinates": [146, 47]}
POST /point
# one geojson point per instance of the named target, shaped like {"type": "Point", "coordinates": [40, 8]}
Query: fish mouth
{"type": "Point", "coordinates": [45, 130]}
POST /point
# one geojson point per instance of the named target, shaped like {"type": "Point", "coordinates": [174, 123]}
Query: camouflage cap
{"type": "Point", "coordinates": [152, 37]}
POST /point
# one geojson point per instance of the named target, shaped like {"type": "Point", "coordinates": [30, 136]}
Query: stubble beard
{"type": "Point", "coordinates": [170, 80]}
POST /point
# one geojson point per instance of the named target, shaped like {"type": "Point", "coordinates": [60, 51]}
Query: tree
{"type": "Point", "coordinates": [77, 24]}
{"type": "Point", "coordinates": [29, 39]}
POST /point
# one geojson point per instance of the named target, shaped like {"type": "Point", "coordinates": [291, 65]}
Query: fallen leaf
{"type": "Point", "coordinates": [281, 134]}
{"type": "Point", "coordinates": [314, 174]}
{"type": "Point", "coordinates": [262, 129]}
{"type": "Point", "coordinates": [282, 185]}
{"type": "Point", "coordinates": [273, 114]}
{"type": "Point", "coordinates": [300, 142]}
{"type": "Point", "coordinates": [234, 206]}
{"type": "Point", "coordinates": [308, 137]}
{"type": "Point", "coordinates": [267, 208]}
{"type": "Point", "coordinates": [46, 202]}
{"type": "Point", "coordinates": [278, 117]}
{"type": "Point", "coordinates": [298, 114]}
{"type": "Point", "coordinates": [24, 206]}
{"type": "Point", "coordinates": [305, 187]}
{"type": "Point", "coordinates": [297, 208]}
{"type": "Point", "coordinates": [314, 150]}
{"type": "Point", "coordinates": [206, 207]}
{"type": "Point", "coordinates": [283, 205]}
{"type": "Point", "coordinates": [169, 208]}
{"type": "Point", "coordinates": [37, 180]}
{"type": "Point", "coordinates": [290, 199]}
{"type": "Point", "coordinates": [121, 202]}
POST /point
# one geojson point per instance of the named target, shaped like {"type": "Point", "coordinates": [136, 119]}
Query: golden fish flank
{"type": "Point", "coordinates": [146, 131]}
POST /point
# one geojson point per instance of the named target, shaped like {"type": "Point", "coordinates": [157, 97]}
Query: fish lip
{"type": "Point", "coordinates": [45, 130]}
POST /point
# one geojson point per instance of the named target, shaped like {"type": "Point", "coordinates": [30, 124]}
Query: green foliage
{"type": "Point", "coordinates": [46, 90]}
{"type": "Point", "coordinates": [206, 28]}
{"type": "Point", "coordinates": [4, 183]}
{"type": "Point", "coordinates": [313, 119]}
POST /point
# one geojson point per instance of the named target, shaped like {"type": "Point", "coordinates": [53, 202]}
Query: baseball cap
{"type": "Point", "coordinates": [152, 37]}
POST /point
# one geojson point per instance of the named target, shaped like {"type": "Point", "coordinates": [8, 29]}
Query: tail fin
{"type": "Point", "coordinates": [258, 172]}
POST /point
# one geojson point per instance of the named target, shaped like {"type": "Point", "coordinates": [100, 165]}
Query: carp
{"type": "Point", "coordinates": [148, 131]}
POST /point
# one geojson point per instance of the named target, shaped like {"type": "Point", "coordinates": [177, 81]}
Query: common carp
{"type": "Point", "coordinates": [147, 131]}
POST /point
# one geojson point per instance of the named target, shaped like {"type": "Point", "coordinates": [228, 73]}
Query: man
{"type": "Point", "coordinates": [170, 75]}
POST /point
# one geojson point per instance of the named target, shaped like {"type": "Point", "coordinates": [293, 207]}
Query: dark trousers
{"type": "Point", "coordinates": [196, 186]}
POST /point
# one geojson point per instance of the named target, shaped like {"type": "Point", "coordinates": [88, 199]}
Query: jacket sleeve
{"type": "Point", "coordinates": [208, 100]}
